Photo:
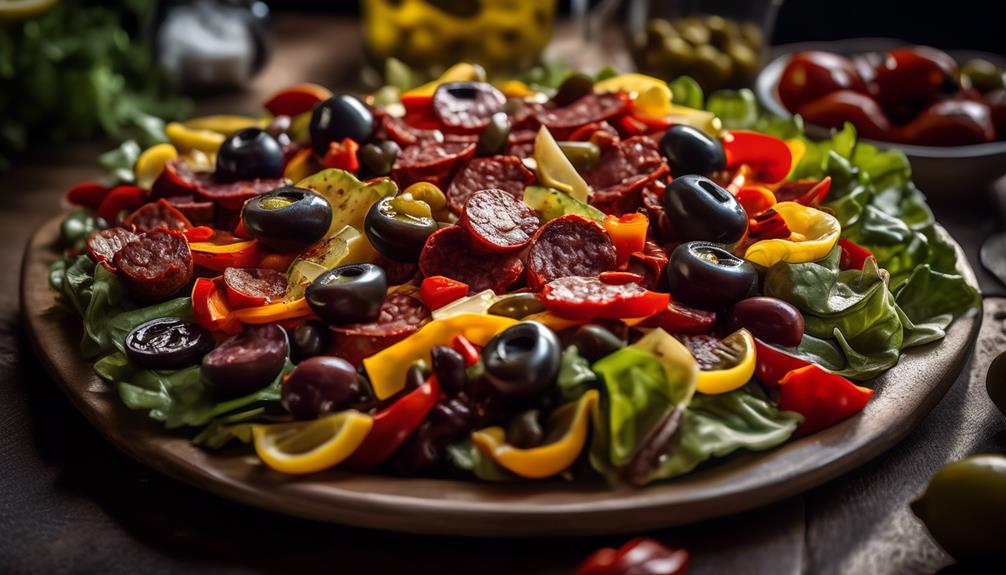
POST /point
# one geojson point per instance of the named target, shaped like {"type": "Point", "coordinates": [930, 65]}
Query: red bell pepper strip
{"type": "Point", "coordinates": [740, 179]}
{"type": "Point", "coordinates": [394, 424]}
{"type": "Point", "coordinates": [628, 234]}
{"type": "Point", "coordinates": [854, 256]}
{"type": "Point", "coordinates": [438, 291]}
{"type": "Point", "coordinates": [650, 263]}
{"type": "Point", "coordinates": [769, 158]}
{"type": "Point", "coordinates": [681, 319]}
{"type": "Point", "coordinates": [821, 397]}
{"type": "Point", "coordinates": [755, 199]}
{"type": "Point", "coordinates": [773, 363]}
{"type": "Point", "coordinates": [199, 233]}
{"type": "Point", "coordinates": [806, 192]}
{"type": "Point", "coordinates": [211, 308]}
{"type": "Point", "coordinates": [87, 195]}
{"type": "Point", "coordinates": [617, 278]}
{"type": "Point", "coordinates": [587, 298]}
{"type": "Point", "coordinates": [584, 133]}
{"type": "Point", "coordinates": [640, 556]}
{"type": "Point", "coordinates": [240, 231]}
{"type": "Point", "coordinates": [466, 348]}
{"type": "Point", "coordinates": [342, 155]}
{"type": "Point", "coordinates": [766, 226]}
{"type": "Point", "coordinates": [121, 199]}
{"type": "Point", "coordinates": [632, 126]}
{"type": "Point", "coordinates": [220, 255]}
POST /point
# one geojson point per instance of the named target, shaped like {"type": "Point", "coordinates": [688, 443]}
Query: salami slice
{"type": "Point", "coordinates": [587, 110]}
{"type": "Point", "coordinates": [568, 246]}
{"type": "Point", "coordinates": [249, 287]}
{"type": "Point", "coordinates": [233, 195]}
{"type": "Point", "coordinates": [448, 253]}
{"type": "Point", "coordinates": [199, 213]}
{"type": "Point", "coordinates": [497, 222]}
{"type": "Point", "coordinates": [156, 215]}
{"type": "Point", "coordinates": [624, 168]}
{"type": "Point", "coordinates": [176, 179]}
{"type": "Point", "coordinates": [505, 173]}
{"type": "Point", "coordinates": [102, 245]}
{"type": "Point", "coordinates": [400, 316]}
{"type": "Point", "coordinates": [397, 273]}
{"type": "Point", "coordinates": [465, 107]}
{"type": "Point", "coordinates": [155, 266]}
{"type": "Point", "coordinates": [405, 135]}
{"type": "Point", "coordinates": [434, 163]}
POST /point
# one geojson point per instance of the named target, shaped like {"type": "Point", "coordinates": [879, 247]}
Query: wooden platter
{"type": "Point", "coordinates": [904, 396]}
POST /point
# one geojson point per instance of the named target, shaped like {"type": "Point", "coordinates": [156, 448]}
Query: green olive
{"type": "Point", "coordinates": [995, 382]}
{"type": "Point", "coordinates": [573, 88]}
{"type": "Point", "coordinates": [495, 137]}
{"type": "Point", "coordinates": [657, 31]}
{"type": "Point", "coordinates": [431, 195]}
{"type": "Point", "coordinates": [376, 159]}
{"type": "Point", "coordinates": [525, 430]}
{"type": "Point", "coordinates": [719, 31]}
{"type": "Point", "coordinates": [964, 508]}
{"type": "Point", "coordinates": [745, 62]}
{"type": "Point", "coordinates": [711, 67]}
{"type": "Point", "coordinates": [517, 306]}
{"type": "Point", "coordinates": [694, 31]}
{"type": "Point", "coordinates": [751, 34]}
{"type": "Point", "coordinates": [583, 155]}
{"type": "Point", "coordinates": [984, 75]}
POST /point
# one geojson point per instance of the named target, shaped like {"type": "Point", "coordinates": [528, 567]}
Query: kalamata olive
{"type": "Point", "coordinates": [495, 137]}
{"type": "Point", "coordinates": [447, 423]}
{"type": "Point", "coordinates": [287, 219]}
{"type": "Point", "coordinates": [449, 367]}
{"type": "Point", "coordinates": [348, 294]}
{"type": "Point", "coordinates": [769, 319]}
{"type": "Point", "coordinates": [691, 151]}
{"type": "Point", "coordinates": [594, 342]}
{"type": "Point", "coordinates": [525, 431]}
{"type": "Point", "coordinates": [377, 158]}
{"type": "Point", "coordinates": [707, 276]}
{"type": "Point", "coordinates": [522, 360]}
{"type": "Point", "coordinates": [339, 117]}
{"type": "Point", "coordinates": [574, 87]}
{"type": "Point", "coordinates": [700, 209]}
{"type": "Point", "coordinates": [397, 234]}
{"type": "Point", "coordinates": [167, 343]}
{"type": "Point", "coordinates": [248, 154]}
{"type": "Point", "coordinates": [308, 340]}
{"type": "Point", "coordinates": [319, 385]}
{"type": "Point", "coordinates": [247, 362]}
{"type": "Point", "coordinates": [517, 306]}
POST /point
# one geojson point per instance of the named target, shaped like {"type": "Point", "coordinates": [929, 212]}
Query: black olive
{"type": "Point", "coordinates": [399, 237]}
{"type": "Point", "coordinates": [308, 340]}
{"type": "Point", "coordinates": [573, 88]}
{"type": "Point", "coordinates": [691, 151]}
{"type": "Point", "coordinates": [348, 294]}
{"type": "Point", "coordinates": [525, 431]}
{"type": "Point", "coordinates": [449, 366]}
{"type": "Point", "coordinates": [248, 154]}
{"type": "Point", "coordinates": [339, 117]}
{"type": "Point", "coordinates": [287, 219]}
{"type": "Point", "coordinates": [320, 385]}
{"type": "Point", "coordinates": [522, 360]}
{"type": "Point", "coordinates": [167, 343]}
{"type": "Point", "coordinates": [376, 159]}
{"type": "Point", "coordinates": [707, 276]}
{"type": "Point", "coordinates": [700, 209]}
{"type": "Point", "coordinates": [495, 137]}
{"type": "Point", "coordinates": [517, 306]}
{"type": "Point", "coordinates": [248, 362]}
{"type": "Point", "coordinates": [415, 376]}
{"type": "Point", "coordinates": [594, 342]}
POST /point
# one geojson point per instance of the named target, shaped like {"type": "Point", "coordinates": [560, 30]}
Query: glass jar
{"type": "Point", "coordinates": [504, 36]}
{"type": "Point", "coordinates": [720, 43]}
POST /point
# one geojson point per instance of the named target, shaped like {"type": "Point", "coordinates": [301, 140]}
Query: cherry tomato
{"type": "Point", "coordinates": [915, 75]}
{"type": "Point", "coordinates": [813, 74]}
{"type": "Point", "coordinates": [837, 108]}
{"type": "Point", "coordinates": [951, 123]}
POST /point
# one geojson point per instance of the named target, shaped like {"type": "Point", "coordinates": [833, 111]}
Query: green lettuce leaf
{"type": "Point", "coordinates": [575, 375]}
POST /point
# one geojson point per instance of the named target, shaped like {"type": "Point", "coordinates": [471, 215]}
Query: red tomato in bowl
{"type": "Point", "coordinates": [836, 108]}
{"type": "Point", "coordinates": [907, 77]}
{"type": "Point", "coordinates": [951, 123]}
{"type": "Point", "coordinates": [812, 74]}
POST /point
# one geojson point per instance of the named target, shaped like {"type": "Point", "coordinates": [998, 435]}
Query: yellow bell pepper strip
{"type": "Point", "coordinates": [628, 233]}
{"type": "Point", "coordinates": [271, 313]}
{"type": "Point", "coordinates": [185, 139]}
{"type": "Point", "coordinates": [650, 96]}
{"type": "Point", "coordinates": [224, 123]}
{"type": "Point", "coordinates": [554, 169]}
{"type": "Point", "coordinates": [301, 165]}
{"type": "Point", "coordinates": [549, 459]}
{"type": "Point", "coordinates": [387, 368]}
{"type": "Point", "coordinates": [151, 163]}
{"type": "Point", "coordinates": [516, 89]}
{"type": "Point", "coordinates": [715, 381]}
{"type": "Point", "coordinates": [310, 446]}
{"type": "Point", "coordinates": [798, 149]}
{"type": "Point", "coordinates": [814, 234]}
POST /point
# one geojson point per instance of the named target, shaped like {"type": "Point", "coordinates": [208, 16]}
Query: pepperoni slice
{"type": "Point", "coordinates": [592, 108]}
{"type": "Point", "coordinates": [400, 316]}
{"type": "Point", "coordinates": [406, 135]}
{"type": "Point", "coordinates": [505, 173]}
{"type": "Point", "coordinates": [398, 273]}
{"type": "Point", "coordinates": [102, 245]}
{"type": "Point", "coordinates": [233, 195]}
{"type": "Point", "coordinates": [497, 222]}
{"type": "Point", "coordinates": [156, 265]}
{"type": "Point", "coordinates": [250, 287]}
{"type": "Point", "coordinates": [448, 253]}
{"type": "Point", "coordinates": [568, 246]}
{"type": "Point", "coordinates": [156, 215]}
{"type": "Point", "coordinates": [199, 213]}
{"type": "Point", "coordinates": [177, 179]}
{"type": "Point", "coordinates": [434, 163]}
{"type": "Point", "coordinates": [465, 107]}
{"type": "Point", "coordinates": [624, 168]}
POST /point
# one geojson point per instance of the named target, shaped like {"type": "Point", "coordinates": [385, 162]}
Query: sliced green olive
{"type": "Point", "coordinates": [517, 306]}
{"type": "Point", "coordinates": [583, 155]}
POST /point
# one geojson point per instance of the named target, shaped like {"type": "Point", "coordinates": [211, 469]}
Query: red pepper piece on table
{"type": "Point", "coordinates": [211, 308]}
{"type": "Point", "coordinates": [772, 364]}
{"type": "Point", "coordinates": [821, 397]}
{"type": "Point", "coordinates": [438, 291]}
{"type": "Point", "coordinates": [87, 195]}
{"type": "Point", "coordinates": [466, 348]}
{"type": "Point", "coordinates": [641, 556]}
{"type": "Point", "coordinates": [121, 199]}
{"type": "Point", "coordinates": [342, 155]}
{"type": "Point", "coordinates": [769, 158]}
{"type": "Point", "coordinates": [394, 424]}
{"type": "Point", "coordinates": [854, 256]}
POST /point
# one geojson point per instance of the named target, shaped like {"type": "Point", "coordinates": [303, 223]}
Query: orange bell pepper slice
{"type": "Point", "coordinates": [272, 313]}
{"type": "Point", "coordinates": [628, 233]}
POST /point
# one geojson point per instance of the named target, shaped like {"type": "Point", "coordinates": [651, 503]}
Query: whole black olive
{"type": "Point", "coordinates": [594, 342]}
{"type": "Point", "coordinates": [348, 294]}
{"type": "Point", "coordinates": [691, 151]}
{"type": "Point", "coordinates": [287, 219]}
{"type": "Point", "coordinates": [574, 87]}
{"type": "Point", "coordinates": [495, 137]}
{"type": "Point", "coordinates": [769, 319]}
{"type": "Point", "coordinates": [167, 343]}
{"type": "Point", "coordinates": [517, 306]}
{"type": "Point", "coordinates": [248, 154]}
{"type": "Point", "coordinates": [320, 385]}
{"type": "Point", "coordinates": [522, 360]}
{"type": "Point", "coordinates": [699, 209]}
{"type": "Point", "coordinates": [339, 117]}
{"type": "Point", "coordinates": [449, 367]}
{"type": "Point", "coordinates": [707, 276]}
{"type": "Point", "coordinates": [524, 431]}
{"type": "Point", "coordinates": [398, 236]}
{"type": "Point", "coordinates": [377, 158]}
{"type": "Point", "coordinates": [248, 362]}
{"type": "Point", "coordinates": [308, 340]}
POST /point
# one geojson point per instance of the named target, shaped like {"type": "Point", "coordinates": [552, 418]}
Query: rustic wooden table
{"type": "Point", "coordinates": [70, 503]}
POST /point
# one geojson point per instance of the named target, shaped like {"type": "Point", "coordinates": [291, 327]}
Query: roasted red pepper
{"type": "Point", "coordinates": [466, 348]}
{"type": "Point", "coordinates": [769, 158]}
{"type": "Point", "coordinates": [642, 556]}
{"type": "Point", "coordinates": [821, 397]}
{"type": "Point", "coordinates": [681, 319]}
{"type": "Point", "coordinates": [222, 252]}
{"type": "Point", "coordinates": [211, 309]}
{"type": "Point", "coordinates": [87, 195]}
{"type": "Point", "coordinates": [616, 278]}
{"type": "Point", "coordinates": [438, 291]}
{"type": "Point", "coordinates": [587, 298]}
{"type": "Point", "coordinates": [394, 424]}
{"type": "Point", "coordinates": [121, 199]}
{"type": "Point", "coordinates": [854, 256]}
{"type": "Point", "coordinates": [806, 192]}
{"type": "Point", "coordinates": [342, 155]}
{"type": "Point", "coordinates": [773, 364]}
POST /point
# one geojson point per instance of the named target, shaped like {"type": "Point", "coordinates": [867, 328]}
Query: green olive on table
{"type": "Point", "coordinates": [995, 382]}
{"type": "Point", "coordinates": [964, 508]}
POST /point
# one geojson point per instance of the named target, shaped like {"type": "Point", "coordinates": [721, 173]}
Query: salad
{"type": "Point", "coordinates": [612, 277]}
